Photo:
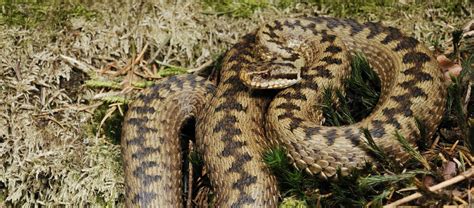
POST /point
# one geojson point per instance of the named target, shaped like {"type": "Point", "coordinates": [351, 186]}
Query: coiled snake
{"type": "Point", "coordinates": [237, 120]}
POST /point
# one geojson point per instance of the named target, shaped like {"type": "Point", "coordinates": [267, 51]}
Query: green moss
{"type": "Point", "coordinates": [362, 93]}
{"type": "Point", "coordinates": [240, 8]}
{"type": "Point", "coordinates": [112, 126]}
{"type": "Point", "coordinates": [103, 84]}
{"type": "Point", "coordinates": [292, 203]}
{"type": "Point", "coordinates": [49, 14]}
{"type": "Point", "coordinates": [170, 71]}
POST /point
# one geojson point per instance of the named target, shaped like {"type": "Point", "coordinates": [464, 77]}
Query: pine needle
{"type": "Point", "coordinates": [412, 151]}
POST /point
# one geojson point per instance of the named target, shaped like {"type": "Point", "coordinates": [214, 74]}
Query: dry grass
{"type": "Point", "coordinates": [51, 151]}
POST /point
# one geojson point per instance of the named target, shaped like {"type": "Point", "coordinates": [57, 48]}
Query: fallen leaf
{"type": "Point", "coordinates": [449, 67]}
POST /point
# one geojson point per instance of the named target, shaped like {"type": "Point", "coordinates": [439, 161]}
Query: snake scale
{"type": "Point", "coordinates": [236, 120]}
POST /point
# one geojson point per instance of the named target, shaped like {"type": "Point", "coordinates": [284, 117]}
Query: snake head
{"type": "Point", "coordinates": [271, 76]}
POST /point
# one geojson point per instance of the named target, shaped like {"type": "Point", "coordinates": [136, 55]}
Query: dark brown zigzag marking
{"type": "Point", "coordinates": [274, 37]}
{"type": "Point", "coordinates": [406, 110]}
{"type": "Point", "coordinates": [278, 25]}
{"type": "Point", "coordinates": [333, 49]}
{"type": "Point", "coordinates": [137, 121]}
{"type": "Point", "coordinates": [276, 41]}
{"type": "Point", "coordinates": [295, 123]}
{"type": "Point", "coordinates": [144, 130]}
{"type": "Point", "coordinates": [389, 113]}
{"type": "Point", "coordinates": [193, 81]}
{"type": "Point", "coordinates": [395, 34]}
{"type": "Point", "coordinates": [418, 58]}
{"type": "Point", "coordinates": [311, 131]}
{"type": "Point", "coordinates": [289, 24]}
{"type": "Point", "coordinates": [140, 173]}
{"type": "Point", "coordinates": [227, 121]}
{"type": "Point", "coordinates": [321, 72]}
{"type": "Point", "coordinates": [395, 123]}
{"type": "Point", "coordinates": [210, 88]}
{"type": "Point", "coordinates": [288, 106]}
{"type": "Point", "coordinates": [143, 152]}
{"type": "Point", "coordinates": [401, 98]}
{"type": "Point", "coordinates": [331, 60]}
{"type": "Point", "coordinates": [230, 106]}
{"type": "Point", "coordinates": [374, 28]}
{"type": "Point", "coordinates": [404, 104]}
{"type": "Point", "coordinates": [285, 115]}
{"type": "Point", "coordinates": [353, 137]}
{"type": "Point", "coordinates": [245, 180]}
{"type": "Point", "coordinates": [413, 89]}
{"type": "Point", "coordinates": [355, 26]}
{"type": "Point", "coordinates": [237, 165]}
{"type": "Point", "coordinates": [143, 109]}
{"type": "Point", "coordinates": [332, 23]}
{"type": "Point", "coordinates": [308, 84]}
{"type": "Point", "coordinates": [409, 83]}
{"type": "Point", "coordinates": [154, 94]}
{"type": "Point", "coordinates": [235, 86]}
{"type": "Point", "coordinates": [417, 92]}
{"type": "Point", "coordinates": [180, 84]}
{"type": "Point", "coordinates": [331, 136]}
{"type": "Point", "coordinates": [244, 49]}
{"type": "Point", "coordinates": [312, 27]}
{"type": "Point", "coordinates": [292, 96]}
{"type": "Point", "coordinates": [143, 198]}
{"type": "Point", "coordinates": [325, 37]}
{"type": "Point", "coordinates": [293, 57]}
{"type": "Point", "coordinates": [138, 140]}
{"type": "Point", "coordinates": [418, 74]}
{"type": "Point", "coordinates": [406, 43]}
{"type": "Point", "coordinates": [227, 126]}
{"type": "Point", "coordinates": [237, 57]}
{"type": "Point", "coordinates": [378, 130]}
{"type": "Point", "coordinates": [231, 146]}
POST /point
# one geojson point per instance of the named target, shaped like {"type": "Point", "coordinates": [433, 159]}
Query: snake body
{"type": "Point", "coordinates": [235, 123]}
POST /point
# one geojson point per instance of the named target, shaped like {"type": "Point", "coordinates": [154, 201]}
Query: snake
{"type": "Point", "coordinates": [268, 94]}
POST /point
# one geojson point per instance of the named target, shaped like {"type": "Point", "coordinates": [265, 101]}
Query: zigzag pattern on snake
{"type": "Point", "coordinates": [236, 122]}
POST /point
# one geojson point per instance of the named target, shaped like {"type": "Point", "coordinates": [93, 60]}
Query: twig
{"type": "Point", "coordinates": [165, 64]}
{"type": "Point", "coordinates": [146, 76]}
{"type": "Point", "coordinates": [106, 94]}
{"type": "Point", "coordinates": [109, 113]}
{"type": "Point", "coordinates": [454, 146]}
{"type": "Point", "coordinates": [466, 175]}
{"type": "Point", "coordinates": [86, 68]}
{"type": "Point", "coordinates": [133, 62]}
{"type": "Point", "coordinates": [203, 66]}
{"type": "Point", "coordinates": [17, 70]}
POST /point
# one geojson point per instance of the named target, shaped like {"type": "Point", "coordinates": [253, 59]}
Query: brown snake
{"type": "Point", "coordinates": [235, 124]}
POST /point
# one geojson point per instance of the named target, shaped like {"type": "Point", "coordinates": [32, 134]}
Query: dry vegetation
{"type": "Point", "coordinates": [67, 68]}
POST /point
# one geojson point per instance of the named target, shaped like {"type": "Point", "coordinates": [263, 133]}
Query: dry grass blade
{"type": "Point", "coordinates": [463, 176]}
{"type": "Point", "coordinates": [86, 68]}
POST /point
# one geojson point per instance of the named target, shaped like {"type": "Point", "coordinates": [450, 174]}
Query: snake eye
{"type": "Point", "coordinates": [265, 75]}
